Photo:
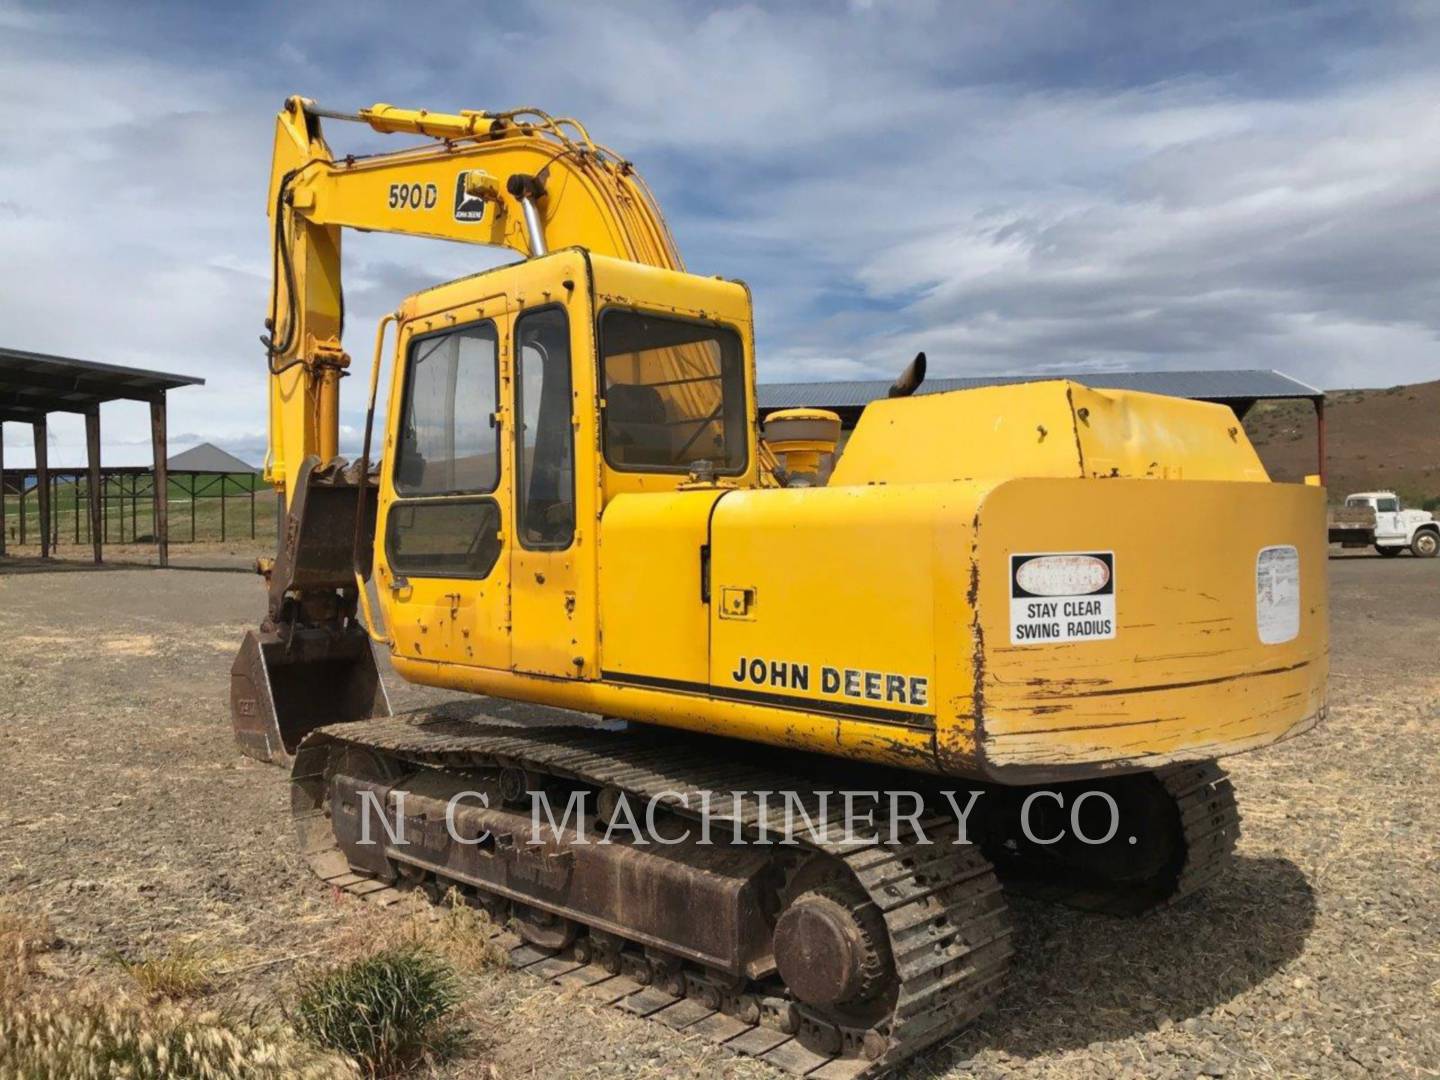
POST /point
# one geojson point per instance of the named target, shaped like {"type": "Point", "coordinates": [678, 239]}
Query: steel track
{"type": "Point", "coordinates": [1208, 820]}
{"type": "Point", "coordinates": [947, 924]}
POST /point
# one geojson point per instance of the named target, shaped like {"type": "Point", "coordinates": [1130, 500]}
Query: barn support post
{"type": "Point", "coordinates": [252, 507]}
{"type": "Point", "coordinates": [162, 478]}
{"type": "Point", "coordinates": [92, 459]}
{"type": "Point", "coordinates": [223, 478]}
{"type": "Point", "coordinates": [1320, 436]}
{"type": "Point", "coordinates": [42, 483]}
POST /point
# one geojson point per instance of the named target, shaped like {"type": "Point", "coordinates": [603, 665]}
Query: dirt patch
{"type": "Point", "coordinates": [129, 823]}
{"type": "Point", "coordinates": [132, 645]}
{"type": "Point", "coordinates": [53, 647]}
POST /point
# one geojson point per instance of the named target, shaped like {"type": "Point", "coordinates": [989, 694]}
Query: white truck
{"type": "Point", "coordinates": [1395, 528]}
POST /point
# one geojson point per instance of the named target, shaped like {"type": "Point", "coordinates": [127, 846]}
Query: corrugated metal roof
{"type": "Point", "coordinates": [208, 458]}
{"type": "Point", "coordinates": [1225, 386]}
{"type": "Point", "coordinates": [33, 384]}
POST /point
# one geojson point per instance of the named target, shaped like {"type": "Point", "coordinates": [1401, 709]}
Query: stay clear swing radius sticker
{"type": "Point", "coordinates": [1062, 596]}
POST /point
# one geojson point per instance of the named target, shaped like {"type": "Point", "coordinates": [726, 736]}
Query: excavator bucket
{"type": "Point", "coordinates": [281, 690]}
{"type": "Point", "coordinates": [310, 663]}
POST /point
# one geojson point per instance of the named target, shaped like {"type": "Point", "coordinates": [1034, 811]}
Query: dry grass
{"type": "Point", "coordinates": [85, 1035]}
{"type": "Point", "coordinates": [383, 1006]}
{"type": "Point", "coordinates": [461, 934]}
{"type": "Point", "coordinates": [22, 938]}
{"type": "Point", "coordinates": [180, 971]}
{"type": "Point", "coordinates": [91, 1031]}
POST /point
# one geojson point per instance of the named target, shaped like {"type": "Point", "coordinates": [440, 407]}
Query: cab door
{"type": "Point", "coordinates": [444, 513]}
{"type": "Point", "coordinates": [1387, 519]}
{"type": "Point", "coordinates": [552, 557]}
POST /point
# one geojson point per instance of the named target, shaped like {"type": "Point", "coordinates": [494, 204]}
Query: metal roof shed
{"type": "Point", "coordinates": [33, 385]}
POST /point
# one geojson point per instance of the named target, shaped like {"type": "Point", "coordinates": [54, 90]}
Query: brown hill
{"type": "Point", "coordinates": [1375, 439]}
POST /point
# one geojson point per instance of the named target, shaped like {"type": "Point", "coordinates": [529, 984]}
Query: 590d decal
{"type": "Point", "coordinates": [413, 196]}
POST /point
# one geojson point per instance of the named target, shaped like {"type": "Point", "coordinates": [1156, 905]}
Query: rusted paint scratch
{"type": "Point", "coordinates": [1195, 682]}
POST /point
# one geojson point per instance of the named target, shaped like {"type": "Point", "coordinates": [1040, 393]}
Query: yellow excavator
{"type": "Point", "coordinates": [1051, 605]}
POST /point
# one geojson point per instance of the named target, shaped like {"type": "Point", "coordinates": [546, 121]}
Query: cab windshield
{"type": "Point", "coordinates": [674, 393]}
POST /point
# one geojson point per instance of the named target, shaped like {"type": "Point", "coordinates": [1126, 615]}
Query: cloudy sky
{"type": "Point", "coordinates": [1019, 186]}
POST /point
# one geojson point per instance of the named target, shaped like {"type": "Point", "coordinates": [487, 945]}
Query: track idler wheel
{"type": "Point", "coordinates": [831, 947]}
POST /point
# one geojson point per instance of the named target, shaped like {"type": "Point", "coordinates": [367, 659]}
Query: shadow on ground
{"type": "Point", "coordinates": [1080, 978]}
{"type": "Point", "coordinates": [35, 565]}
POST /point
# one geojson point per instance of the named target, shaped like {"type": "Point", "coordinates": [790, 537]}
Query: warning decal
{"type": "Point", "coordinates": [1277, 594]}
{"type": "Point", "coordinates": [1062, 596]}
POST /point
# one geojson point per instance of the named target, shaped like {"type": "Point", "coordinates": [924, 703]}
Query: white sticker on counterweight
{"type": "Point", "coordinates": [1277, 594]}
{"type": "Point", "coordinates": [1062, 596]}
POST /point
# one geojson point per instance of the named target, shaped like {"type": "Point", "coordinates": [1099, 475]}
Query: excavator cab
{"type": "Point", "coordinates": [522, 400]}
{"type": "Point", "coordinates": [483, 515]}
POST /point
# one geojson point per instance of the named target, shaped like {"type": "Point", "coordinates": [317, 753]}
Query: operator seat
{"type": "Point", "coordinates": [636, 432]}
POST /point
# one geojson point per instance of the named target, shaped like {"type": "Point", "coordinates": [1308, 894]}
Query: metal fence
{"type": "Point", "coordinates": [203, 506]}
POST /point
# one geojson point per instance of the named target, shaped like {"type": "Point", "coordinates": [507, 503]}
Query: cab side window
{"type": "Point", "coordinates": [544, 431]}
{"type": "Point", "coordinates": [1388, 506]}
{"type": "Point", "coordinates": [445, 522]}
{"type": "Point", "coordinates": [674, 393]}
{"type": "Point", "coordinates": [449, 443]}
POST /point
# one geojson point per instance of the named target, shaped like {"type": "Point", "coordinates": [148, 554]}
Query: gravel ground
{"type": "Point", "coordinates": [129, 820]}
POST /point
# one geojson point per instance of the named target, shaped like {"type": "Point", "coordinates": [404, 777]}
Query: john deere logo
{"type": "Point", "coordinates": [467, 207]}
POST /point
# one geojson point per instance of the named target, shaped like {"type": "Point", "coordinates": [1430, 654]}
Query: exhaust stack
{"type": "Point", "coordinates": [910, 379]}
